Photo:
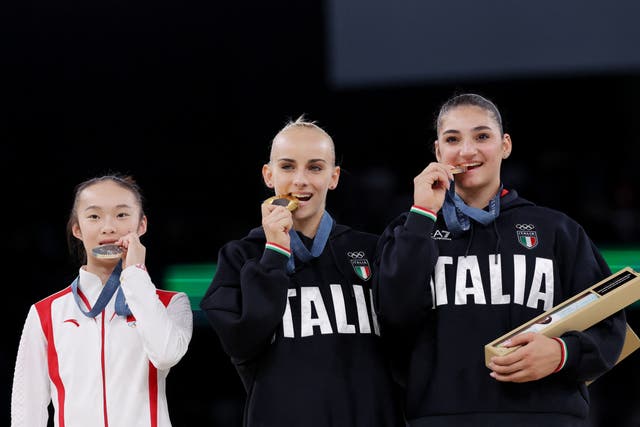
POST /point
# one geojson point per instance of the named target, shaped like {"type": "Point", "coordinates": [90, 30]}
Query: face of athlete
{"type": "Point", "coordinates": [303, 163]}
{"type": "Point", "coordinates": [470, 135]}
{"type": "Point", "coordinates": [105, 212]}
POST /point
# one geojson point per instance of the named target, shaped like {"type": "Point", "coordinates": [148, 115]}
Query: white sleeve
{"type": "Point", "coordinates": [165, 331]}
{"type": "Point", "coordinates": [30, 395]}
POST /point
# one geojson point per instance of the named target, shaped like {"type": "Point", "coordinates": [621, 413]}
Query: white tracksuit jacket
{"type": "Point", "coordinates": [107, 371]}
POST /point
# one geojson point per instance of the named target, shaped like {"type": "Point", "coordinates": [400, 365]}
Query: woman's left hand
{"type": "Point", "coordinates": [536, 357]}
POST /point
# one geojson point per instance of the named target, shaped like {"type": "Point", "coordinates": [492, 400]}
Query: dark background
{"type": "Point", "coordinates": [186, 96]}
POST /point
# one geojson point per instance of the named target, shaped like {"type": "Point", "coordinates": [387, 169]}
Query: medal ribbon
{"type": "Point", "coordinates": [112, 285]}
{"type": "Point", "coordinates": [319, 242]}
{"type": "Point", "coordinates": [457, 213]}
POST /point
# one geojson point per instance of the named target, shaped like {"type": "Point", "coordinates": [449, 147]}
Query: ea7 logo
{"type": "Point", "coordinates": [440, 235]}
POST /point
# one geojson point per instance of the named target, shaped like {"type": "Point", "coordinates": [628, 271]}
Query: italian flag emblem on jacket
{"type": "Point", "coordinates": [528, 239]}
{"type": "Point", "coordinates": [362, 268]}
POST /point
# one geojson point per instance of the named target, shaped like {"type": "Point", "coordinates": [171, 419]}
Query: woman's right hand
{"type": "Point", "coordinates": [276, 222]}
{"type": "Point", "coordinates": [431, 185]}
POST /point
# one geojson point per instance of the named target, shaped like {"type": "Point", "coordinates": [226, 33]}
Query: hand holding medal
{"type": "Point", "coordinates": [287, 200]}
{"type": "Point", "coordinates": [129, 246]}
{"type": "Point", "coordinates": [277, 222]}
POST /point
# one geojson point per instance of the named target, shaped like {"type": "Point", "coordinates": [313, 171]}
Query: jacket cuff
{"type": "Point", "coordinates": [571, 352]}
{"type": "Point", "coordinates": [134, 271]}
{"type": "Point", "coordinates": [420, 220]}
{"type": "Point", "coordinates": [563, 354]}
{"type": "Point", "coordinates": [275, 256]}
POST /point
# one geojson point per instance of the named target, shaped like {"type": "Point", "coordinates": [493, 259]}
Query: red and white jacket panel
{"type": "Point", "coordinates": [105, 371]}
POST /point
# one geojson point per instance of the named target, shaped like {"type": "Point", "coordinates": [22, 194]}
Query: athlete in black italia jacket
{"type": "Point", "coordinates": [294, 310]}
{"type": "Point", "coordinates": [454, 277]}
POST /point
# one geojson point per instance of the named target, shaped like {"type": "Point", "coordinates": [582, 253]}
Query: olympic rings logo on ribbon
{"type": "Point", "coordinates": [358, 254]}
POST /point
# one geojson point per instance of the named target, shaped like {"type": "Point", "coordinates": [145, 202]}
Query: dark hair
{"type": "Point", "coordinates": [467, 99]}
{"type": "Point", "coordinates": [125, 181]}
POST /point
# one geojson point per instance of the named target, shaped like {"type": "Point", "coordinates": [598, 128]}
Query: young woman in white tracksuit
{"type": "Point", "coordinates": [100, 349]}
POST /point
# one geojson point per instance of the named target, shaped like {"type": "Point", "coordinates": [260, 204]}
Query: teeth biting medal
{"type": "Point", "coordinates": [107, 251]}
{"type": "Point", "coordinates": [287, 200]}
{"type": "Point", "coordinates": [463, 168]}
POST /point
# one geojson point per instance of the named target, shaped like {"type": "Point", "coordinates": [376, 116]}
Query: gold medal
{"type": "Point", "coordinates": [286, 200]}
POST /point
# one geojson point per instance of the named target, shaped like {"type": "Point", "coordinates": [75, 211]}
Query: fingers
{"type": "Point", "coordinates": [431, 185]}
{"type": "Point", "coordinates": [276, 223]}
{"type": "Point", "coordinates": [510, 368]}
{"type": "Point", "coordinates": [506, 363]}
{"type": "Point", "coordinates": [514, 375]}
{"type": "Point", "coordinates": [535, 357]}
{"type": "Point", "coordinates": [134, 252]}
{"type": "Point", "coordinates": [435, 174]}
{"type": "Point", "coordinates": [520, 339]}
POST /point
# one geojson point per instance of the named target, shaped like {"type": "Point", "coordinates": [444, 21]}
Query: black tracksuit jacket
{"type": "Point", "coordinates": [486, 282]}
{"type": "Point", "coordinates": [306, 344]}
